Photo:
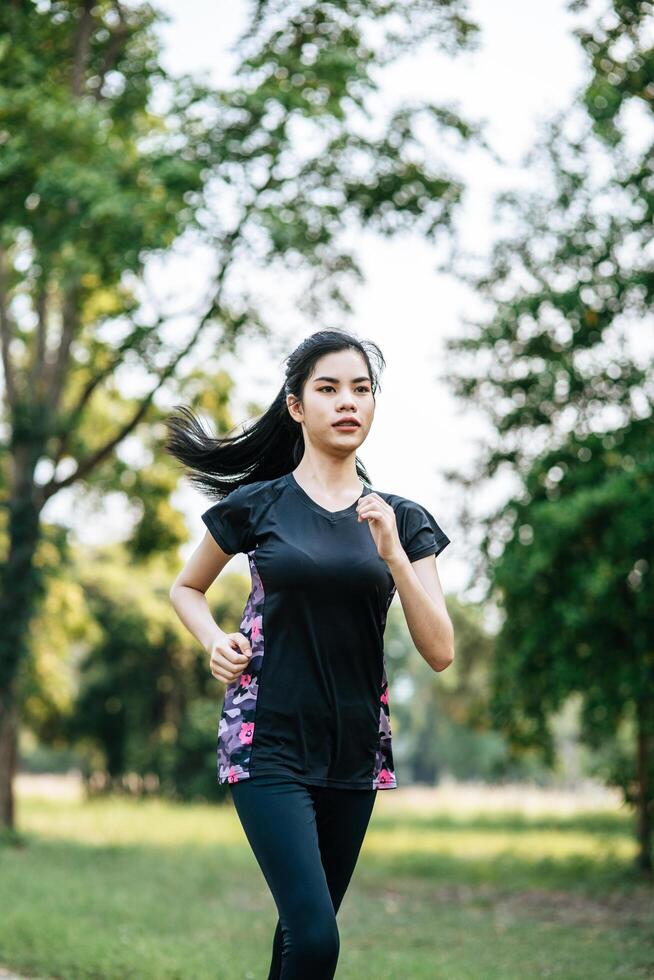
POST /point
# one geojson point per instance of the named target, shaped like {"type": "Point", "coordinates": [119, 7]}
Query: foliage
{"type": "Point", "coordinates": [563, 371]}
{"type": "Point", "coordinates": [108, 161]}
{"type": "Point", "coordinates": [146, 703]}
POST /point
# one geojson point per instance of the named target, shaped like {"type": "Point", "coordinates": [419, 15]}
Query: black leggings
{"type": "Point", "coordinates": [306, 840]}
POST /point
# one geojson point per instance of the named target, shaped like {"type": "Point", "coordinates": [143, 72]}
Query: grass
{"type": "Point", "coordinates": [444, 890]}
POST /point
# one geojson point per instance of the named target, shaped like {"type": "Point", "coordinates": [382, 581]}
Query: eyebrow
{"type": "Point", "coordinates": [323, 377]}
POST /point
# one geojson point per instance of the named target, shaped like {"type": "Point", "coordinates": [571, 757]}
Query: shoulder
{"type": "Point", "coordinates": [250, 494]}
{"type": "Point", "coordinates": [232, 520]}
{"type": "Point", "coordinates": [418, 529]}
{"type": "Point", "coordinates": [396, 500]}
{"type": "Point", "coordinates": [403, 506]}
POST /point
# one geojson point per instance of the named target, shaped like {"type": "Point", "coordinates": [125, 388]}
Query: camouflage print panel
{"type": "Point", "coordinates": [384, 772]}
{"type": "Point", "coordinates": [236, 727]}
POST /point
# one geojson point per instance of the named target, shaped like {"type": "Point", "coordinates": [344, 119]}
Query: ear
{"type": "Point", "coordinates": [294, 407]}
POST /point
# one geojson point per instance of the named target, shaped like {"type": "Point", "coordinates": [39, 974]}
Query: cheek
{"type": "Point", "coordinates": [317, 417]}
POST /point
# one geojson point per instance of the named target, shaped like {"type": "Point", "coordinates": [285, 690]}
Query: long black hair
{"type": "Point", "coordinates": [273, 444]}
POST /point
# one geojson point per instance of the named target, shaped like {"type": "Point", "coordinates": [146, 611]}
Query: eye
{"type": "Point", "coordinates": [363, 388]}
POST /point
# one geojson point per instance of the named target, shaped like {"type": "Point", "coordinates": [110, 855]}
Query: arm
{"type": "Point", "coordinates": [228, 652]}
{"type": "Point", "coordinates": [421, 595]}
{"type": "Point", "coordinates": [417, 584]}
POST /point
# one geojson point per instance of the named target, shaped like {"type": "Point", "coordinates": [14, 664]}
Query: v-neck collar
{"type": "Point", "coordinates": [331, 515]}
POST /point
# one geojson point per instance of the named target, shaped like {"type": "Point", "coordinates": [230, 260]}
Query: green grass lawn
{"type": "Point", "coordinates": [120, 888]}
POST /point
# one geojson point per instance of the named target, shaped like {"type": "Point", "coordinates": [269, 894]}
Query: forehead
{"type": "Point", "coordinates": [342, 365]}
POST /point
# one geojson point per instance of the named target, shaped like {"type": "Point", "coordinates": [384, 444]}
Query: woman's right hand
{"type": "Point", "coordinates": [229, 655]}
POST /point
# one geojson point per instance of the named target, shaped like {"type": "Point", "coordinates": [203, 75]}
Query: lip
{"type": "Point", "coordinates": [341, 424]}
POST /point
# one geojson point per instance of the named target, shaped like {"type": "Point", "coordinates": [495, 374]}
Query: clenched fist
{"type": "Point", "coordinates": [228, 656]}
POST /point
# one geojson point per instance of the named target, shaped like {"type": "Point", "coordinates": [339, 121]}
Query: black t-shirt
{"type": "Point", "coordinates": [312, 703]}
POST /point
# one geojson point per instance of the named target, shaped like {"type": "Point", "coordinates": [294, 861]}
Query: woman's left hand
{"type": "Point", "coordinates": [382, 524]}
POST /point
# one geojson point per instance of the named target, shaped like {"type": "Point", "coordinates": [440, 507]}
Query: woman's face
{"type": "Point", "coordinates": [339, 386]}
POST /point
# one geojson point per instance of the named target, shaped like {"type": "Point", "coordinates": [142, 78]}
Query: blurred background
{"type": "Point", "coordinates": [187, 190]}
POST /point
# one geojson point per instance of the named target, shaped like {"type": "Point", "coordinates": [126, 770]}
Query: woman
{"type": "Point", "coordinates": [304, 740]}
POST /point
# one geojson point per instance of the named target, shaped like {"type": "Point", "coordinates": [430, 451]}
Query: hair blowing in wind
{"type": "Point", "coordinates": [274, 443]}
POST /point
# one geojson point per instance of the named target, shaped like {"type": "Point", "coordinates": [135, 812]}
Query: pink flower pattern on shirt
{"type": "Point", "coordinates": [383, 776]}
{"type": "Point", "coordinates": [236, 726]}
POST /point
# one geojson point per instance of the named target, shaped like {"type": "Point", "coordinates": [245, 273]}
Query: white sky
{"type": "Point", "coordinates": [528, 65]}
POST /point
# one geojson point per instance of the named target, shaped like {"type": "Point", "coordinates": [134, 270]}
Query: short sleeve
{"type": "Point", "coordinates": [229, 521]}
{"type": "Point", "coordinates": [419, 531]}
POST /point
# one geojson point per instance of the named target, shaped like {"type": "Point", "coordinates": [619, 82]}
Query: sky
{"type": "Point", "coordinates": [528, 65]}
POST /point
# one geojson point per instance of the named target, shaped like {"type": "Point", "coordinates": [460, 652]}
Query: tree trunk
{"type": "Point", "coordinates": [644, 812]}
{"type": "Point", "coordinates": [8, 756]}
{"type": "Point", "coordinates": [21, 587]}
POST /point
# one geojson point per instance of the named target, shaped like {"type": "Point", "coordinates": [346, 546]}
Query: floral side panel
{"type": "Point", "coordinates": [384, 771]}
{"type": "Point", "coordinates": [236, 726]}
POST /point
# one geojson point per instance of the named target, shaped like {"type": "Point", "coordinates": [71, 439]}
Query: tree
{"type": "Point", "coordinates": [560, 369]}
{"type": "Point", "coordinates": [108, 160]}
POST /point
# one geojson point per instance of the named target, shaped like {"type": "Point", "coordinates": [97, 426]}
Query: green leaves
{"type": "Point", "coordinates": [562, 368]}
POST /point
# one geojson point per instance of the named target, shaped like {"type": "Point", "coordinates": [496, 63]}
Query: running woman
{"type": "Point", "coordinates": [304, 737]}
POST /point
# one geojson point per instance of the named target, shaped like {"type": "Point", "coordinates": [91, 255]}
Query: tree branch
{"type": "Point", "coordinates": [38, 363]}
{"type": "Point", "coordinates": [74, 415]}
{"type": "Point", "coordinates": [6, 330]}
{"type": "Point", "coordinates": [82, 47]}
{"type": "Point", "coordinates": [213, 309]}
{"type": "Point", "coordinates": [117, 39]}
{"type": "Point", "coordinates": [87, 465]}
{"type": "Point", "coordinates": [57, 372]}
